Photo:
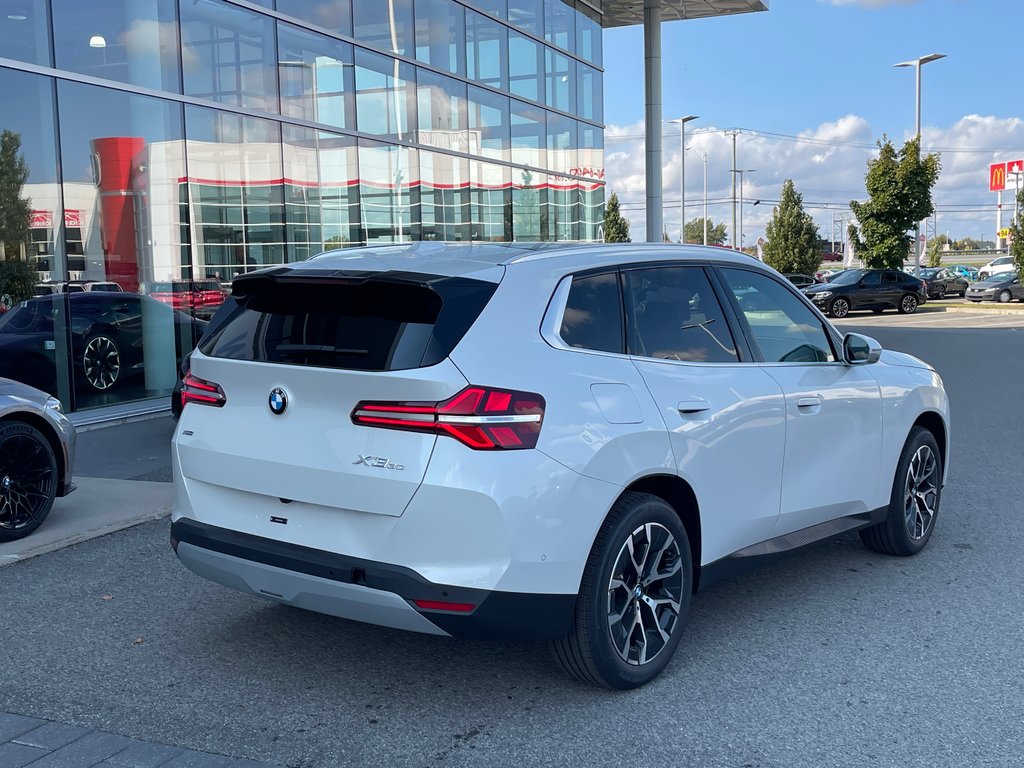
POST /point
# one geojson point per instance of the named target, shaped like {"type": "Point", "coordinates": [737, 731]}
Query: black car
{"type": "Point", "coordinates": [106, 334]}
{"type": "Point", "coordinates": [223, 313]}
{"type": "Point", "coordinates": [941, 283]}
{"type": "Point", "coordinates": [801, 281]}
{"type": "Point", "coordinates": [874, 289]}
{"type": "Point", "coordinates": [1001, 287]}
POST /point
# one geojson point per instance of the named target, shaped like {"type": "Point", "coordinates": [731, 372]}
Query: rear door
{"type": "Point", "coordinates": [725, 415]}
{"type": "Point", "coordinates": [868, 294]}
{"type": "Point", "coordinates": [293, 360]}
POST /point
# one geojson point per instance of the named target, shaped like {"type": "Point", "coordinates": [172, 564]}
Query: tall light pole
{"type": "Point", "coordinates": [742, 171]}
{"type": "Point", "coordinates": [917, 64]}
{"type": "Point", "coordinates": [704, 157]}
{"type": "Point", "coordinates": [682, 172]}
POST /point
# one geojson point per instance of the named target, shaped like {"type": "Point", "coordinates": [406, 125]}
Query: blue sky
{"type": "Point", "coordinates": [823, 69]}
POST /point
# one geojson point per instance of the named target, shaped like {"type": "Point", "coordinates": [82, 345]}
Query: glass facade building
{"type": "Point", "coordinates": [152, 150]}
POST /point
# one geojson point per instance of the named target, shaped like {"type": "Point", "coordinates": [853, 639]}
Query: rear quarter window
{"type": "Point", "coordinates": [593, 314]}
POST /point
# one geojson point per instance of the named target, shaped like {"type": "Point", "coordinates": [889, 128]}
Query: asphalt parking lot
{"type": "Point", "coordinates": [831, 656]}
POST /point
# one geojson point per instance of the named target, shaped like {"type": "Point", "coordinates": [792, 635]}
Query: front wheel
{"type": "Point", "coordinates": [1004, 297]}
{"type": "Point", "coordinates": [634, 597]}
{"type": "Point", "coordinates": [839, 308]}
{"type": "Point", "coordinates": [28, 479]}
{"type": "Point", "coordinates": [908, 305]}
{"type": "Point", "coordinates": [101, 362]}
{"type": "Point", "coordinates": [914, 502]}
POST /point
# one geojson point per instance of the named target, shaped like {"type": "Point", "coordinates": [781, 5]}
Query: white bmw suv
{"type": "Point", "coordinates": [539, 441]}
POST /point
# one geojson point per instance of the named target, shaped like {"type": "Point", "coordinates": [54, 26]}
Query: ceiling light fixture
{"type": "Point", "coordinates": [97, 41]}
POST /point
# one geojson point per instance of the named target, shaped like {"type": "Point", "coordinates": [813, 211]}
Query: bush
{"type": "Point", "coordinates": [17, 281]}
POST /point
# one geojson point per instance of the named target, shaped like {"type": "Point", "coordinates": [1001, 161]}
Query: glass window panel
{"type": "Point", "coordinates": [561, 136]}
{"type": "Point", "coordinates": [588, 34]}
{"type": "Point", "coordinates": [317, 77]}
{"type": "Point", "coordinates": [441, 34]}
{"type": "Point", "coordinates": [490, 202]}
{"type": "Point", "coordinates": [529, 134]}
{"type": "Point", "coordinates": [339, 190]}
{"type": "Point", "coordinates": [529, 206]}
{"type": "Point", "coordinates": [444, 197]}
{"type": "Point", "coordinates": [589, 93]}
{"type": "Point", "coordinates": [388, 192]}
{"type": "Point", "coordinates": [442, 114]}
{"type": "Point", "coordinates": [234, 166]}
{"type": "Point", "coordinates": [24, 34]}
{"type": "Point", "coordinates": [133, 41]}
{"type": "Point", "coordinates": [528, 15]}
{"type": "Point", "coordinates": [302, 203]}
{"type": "Point", "coordinates": [385, 24]}
{"type": "Point", "coordinates": [385, 95]}
{"type": "Point", "coordinates": [525, 67]}
{"type": "Point", "coordinates": [673, 314]}
{"type": "Point", "coordinates": [593, 314]}
{"type": "Point", "coordinates": [590, 164]}
{"type": "Point", "coordinates": [560, 80]}
{"type": "Point", "coordinates": [560, 24]}
{"type": "Point", "coordinates": [563, 209]}
{"type": "Point", "coordinates": [486, 50]}
{"type": "Point", "coordinates": [591, 212]}
{"type": "Point", "coordinates": [228, 55]}
{"type": "Point", "coordinates": [489, 122]}
{"type": "Point", "coordinates": [33, 334]}
{"type": "Point", "coordinates": [786, 329]}
{"type": "Point", "coordinates": [497, 8]}
{"type": "Point", "coordinates": [332, 15]}
{"type": "Point", "coordinates": [123, 163]}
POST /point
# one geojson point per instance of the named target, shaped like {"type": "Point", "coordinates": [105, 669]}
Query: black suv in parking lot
{"type": "Point", "coordinates": [874, 289]}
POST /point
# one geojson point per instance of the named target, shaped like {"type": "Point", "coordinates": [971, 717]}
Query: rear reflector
{"type": "Point", "coordinates": [201, 392]}
{"type": "Point", "coordinates": [482, 418]}
{"type": "Point", "coordinates": [441, 605]}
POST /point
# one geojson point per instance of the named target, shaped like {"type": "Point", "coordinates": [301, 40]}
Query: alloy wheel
{"type": "Point", "coordinates": [940, 292]}
{"type": "Point", "coordinates": [101, 362]}
{"type": "Point", "coordinates": [909, 304]}
{"type": "Point", "coordinates": [840, 308]}
{"type": "Point", "coordinates": [1004, 297]}
{"type": "Point", "coordinates": [644, 594]}
{"type": "Point", "coordinates": [921, 492]}
{"type": "Point", "coordinates": [26, 481]}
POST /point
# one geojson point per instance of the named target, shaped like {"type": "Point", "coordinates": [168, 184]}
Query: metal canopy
{"type": "Point", "coordinates": [624, 13]}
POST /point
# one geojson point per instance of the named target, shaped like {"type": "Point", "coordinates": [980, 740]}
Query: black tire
{"type": "Point", "coordinates": [839, 307]}
{"type": "Point", "coordinates": [101, 362]}
{"type": "Point", "coordinates": [940, 292]}
{"type": "Point", "coordinates": [1004, 297]}
{"type": "Point", "coordinates": [894, 536]}
{"type": "Point", "coordinates": [28, 479]}
{"type": "Point", "coordinates": [590, 652]}
{"type": "Point", "coordinates": [908, 304]}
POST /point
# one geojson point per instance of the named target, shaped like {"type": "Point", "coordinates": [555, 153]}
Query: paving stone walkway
{"type": "Point", "coordinates": [29, 741]}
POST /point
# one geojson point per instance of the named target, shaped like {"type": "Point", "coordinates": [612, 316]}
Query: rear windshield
{"type": "Point", "coordinates": [378, 324]}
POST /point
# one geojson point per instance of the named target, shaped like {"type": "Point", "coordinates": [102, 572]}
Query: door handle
{"type": "Point", "coordinates": [808, 402]}
{"type": "Point", "coordinates": [696, 405]}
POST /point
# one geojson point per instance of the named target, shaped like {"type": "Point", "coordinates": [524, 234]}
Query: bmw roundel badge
{"type": "Point", "coordinates": [278, 401]}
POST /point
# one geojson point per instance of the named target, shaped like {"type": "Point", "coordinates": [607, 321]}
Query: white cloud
{"type": "Point", "coordinates": [827, 164]}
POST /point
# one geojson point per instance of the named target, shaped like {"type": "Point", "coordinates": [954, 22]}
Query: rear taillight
{"type": "Point", "coordinates": [201, 392]}
{"type": "Point", "coordinates": [481, 417]}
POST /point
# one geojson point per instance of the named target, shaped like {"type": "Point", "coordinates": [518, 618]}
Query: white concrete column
{"type": "Point", "coordinates": [652, 118]}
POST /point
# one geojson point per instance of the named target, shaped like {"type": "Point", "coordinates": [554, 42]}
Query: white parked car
{"type": "Point", "coordinates": [994, 267]}
{"type": "Point", "coordinates": [559, 442]}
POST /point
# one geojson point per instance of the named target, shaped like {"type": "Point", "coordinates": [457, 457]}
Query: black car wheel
{"type": "Point", "coordinates": [908, 304]}
{"type": "Point", "coordinates": [839, 307]}
{"type": "Point", "coordinates": [940, 292]}
{"type": "Point", "coordinates": [634, 597]}
{"type": "Point", "coordinates": [101, 362]}
{"type": "Point", "coordinates": [914, 502]}
{"type": "Point", "coordinates": [28, 479]}
{"type": "Point", "coordinates": [1004, 297]}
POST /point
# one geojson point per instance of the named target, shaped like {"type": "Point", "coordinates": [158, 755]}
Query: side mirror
{"type": "Point", "coordinates": [860, 350]}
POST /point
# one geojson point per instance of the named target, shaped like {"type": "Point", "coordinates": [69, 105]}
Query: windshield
{"type": "Point", "coordinates": [32, 316]}
{"type": "Point", "coordinates": [928, 274]}
{"type": "Point", "coordinates": [849, 277]}
{"type": "Point", "coordinates": [1002, 277]}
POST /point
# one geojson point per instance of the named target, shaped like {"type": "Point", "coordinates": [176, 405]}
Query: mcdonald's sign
{"type": "Point", "coordinates": [997, 177]}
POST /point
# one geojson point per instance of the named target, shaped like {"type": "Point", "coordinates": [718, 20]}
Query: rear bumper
{"type": "Point", "coordinates": [363, 590]}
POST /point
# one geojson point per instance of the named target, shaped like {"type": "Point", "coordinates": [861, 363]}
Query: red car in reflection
{"type": "Point", "coordinates": [199, 298]}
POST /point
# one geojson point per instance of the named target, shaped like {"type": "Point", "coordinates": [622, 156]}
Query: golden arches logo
{"type": "Point", "coordinates": [997, 177]}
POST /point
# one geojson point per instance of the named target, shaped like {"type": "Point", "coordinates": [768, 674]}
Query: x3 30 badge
{"type": "Point", "coordinates": [379, 462]}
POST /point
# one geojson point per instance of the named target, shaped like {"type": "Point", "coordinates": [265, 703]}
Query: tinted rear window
{"type": "Point", "coordinates": [367, 325]}
{"type": "Point", "coordinates": [593, 314]}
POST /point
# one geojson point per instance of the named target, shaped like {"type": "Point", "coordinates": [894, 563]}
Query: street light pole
{"type": "Point", "coordinates": [917, 64]}
{"type": "Point", "coordinates": [682, 173]}
{"type": "Point", "coordinates": [704, 157]}
{"type": "Point", "coordinates": [742, 171]}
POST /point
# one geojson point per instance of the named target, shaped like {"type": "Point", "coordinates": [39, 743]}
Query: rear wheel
{"type": "Point", "coordinates": [914, 502]}
{"type": "Point", "coordinates": [839, 308]}
{"type": "Point", "coordinates": [940, 292]}
{"type": "Point", "coordinates": [908, 304]}
{"type": "Point", "coordinates": [634, 597]}
{"type": "Point", "coordinates": [28, 479]}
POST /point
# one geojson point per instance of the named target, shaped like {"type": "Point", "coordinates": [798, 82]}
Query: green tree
{"type": "Point", "coordinates": [694, 232]}
{"type": "Point", "coordinates": [899, 186]}
{"type": "Point", "coordinates": [18, 279]}
{"type": "Point", "coordinates": [616, 226]}
{"type": "Point", "coordinates": [15, 210]}
{"type": "Point", "coordinates": [936, 248]}
{"type": "Point", "coordinates": [792, 235]}
{"type": "Point", "coordinates": [1017, 236]}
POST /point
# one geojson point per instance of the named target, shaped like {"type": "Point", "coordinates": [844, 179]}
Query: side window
{"type": "Point", "coordinates": [890, 278]}
{"type": "Point", "coordinates": [674, 315]}
{"type": "Point", "coordinates": [593, 314]}
{"type": "Point", "coordinates": [785, 328]}
{"type": "Point", "coordinates": [872, 278]}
